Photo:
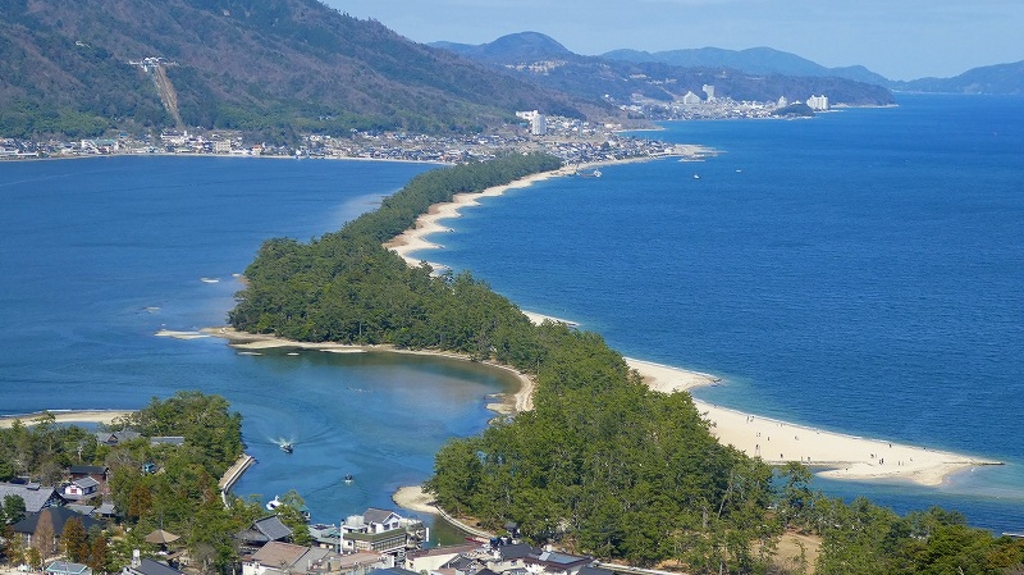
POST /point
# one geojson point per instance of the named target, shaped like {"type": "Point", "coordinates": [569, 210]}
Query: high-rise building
{"type": "Point", "coordinates": [691, 99]}
{"type": "Point", "coordinates": [818, 102]}
{"type": "Point", "coordinates": [710, 91]}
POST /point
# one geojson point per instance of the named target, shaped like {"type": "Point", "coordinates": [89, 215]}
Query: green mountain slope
{"type": "Point", "coordinates": [274, 66]}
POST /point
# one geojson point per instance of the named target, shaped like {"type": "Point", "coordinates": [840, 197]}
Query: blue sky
{"type": "Point", "coordinates": [900, 39]}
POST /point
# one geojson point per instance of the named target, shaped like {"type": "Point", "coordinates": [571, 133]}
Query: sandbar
{"type": "Point", "coordinates": [521, 400]}
{"type": "Point", "coordinates": [414, 239]}
{"type": "Point", "coordinates": [834, 455]}
{"type": "Point", "coordinates": [67, 416]}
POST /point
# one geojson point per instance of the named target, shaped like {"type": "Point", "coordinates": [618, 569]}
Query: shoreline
{"type": "Point", "coordinates": [519, 401]}
{"type": "Point", "coordinates": [414, 239]}
{"type": "Point", "coordinates": [104, 416]}
{"type": "Point", "coordinates": [833, 455]}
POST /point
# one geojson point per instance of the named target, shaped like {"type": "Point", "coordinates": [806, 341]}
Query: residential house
{"type": "Point", "coordinates": [83, 488]}
{"type": "Point", "coordinates": [556, 563]}
{"type": "Point", "coordinates": [380, 531]}
{"type": "Point", "coordinates": [43, 530]}
{"type": "Point", "coordinates": [279, 558]}
{"type": "Point", "coordinates": [97, 472]}
{"type": "Point", "coordinates": [507, 558]}
{"type": "Point", "coordinates": [35, 496]}
{"type": "Point", "coordinates": [261, 532]}
{"type": "Point", "coordinates": [67, 568]}
{"type": "Point", "coordinates": [360, 563]}
{"type": "Point", "coordinates": [117, 437]}
{"type": "Point", "coordinates": [141, 566]}
{"type": "Point", "coordinates": [427, 560]}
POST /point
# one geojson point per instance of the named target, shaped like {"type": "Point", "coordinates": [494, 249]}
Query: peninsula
{"type": "Point", "coordinates": [835, 455]}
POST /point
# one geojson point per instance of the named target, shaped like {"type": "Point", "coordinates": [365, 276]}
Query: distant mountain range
{"type": "Point", "coordinates": [279, 68]}
{"type": "Point", "coordinates": [276, 67]}
{"type": "Point", "coordinates": [996, 79]}
{"type": "Point", "coordinates": [752, 60]}
{"type": "Point", "coordinates": [541, 59]}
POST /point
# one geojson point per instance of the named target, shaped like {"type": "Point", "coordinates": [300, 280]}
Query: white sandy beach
{"type": "Point", "coordinates": [67, 416]}
{"type": "Point", "coordinates": [843, 456]}
{"type": "Point", "coordinates": [414, 239]}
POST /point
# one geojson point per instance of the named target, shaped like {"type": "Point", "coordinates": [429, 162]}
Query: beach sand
{"type": "Point", "coordinates": [67, 416]}
{"type": "Point", "coordinates": [841, 456]}
{"type": "Point", "coordinates": [522, 400]}
{"type": "Point", "coordinates": [414, 239]}
{"type": "Point", "coordinates": [414, 498]}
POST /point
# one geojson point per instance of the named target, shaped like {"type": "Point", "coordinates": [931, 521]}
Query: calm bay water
{"type": "Point", "coordinates": [860, 272]}
{"type": "Point", "coordinates": [100, 254]}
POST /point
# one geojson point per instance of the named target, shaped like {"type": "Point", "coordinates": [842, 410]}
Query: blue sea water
{"type": "Point", "coordinates": [861, 272]}
{"type": "Point", "coordinates": [100, 254]}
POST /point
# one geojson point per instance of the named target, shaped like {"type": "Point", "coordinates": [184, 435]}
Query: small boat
{"type": "Point", "coordinates": [591, 174]}
{"type": "Point", "coordinates": [274, 503]}
{"type": "Point", "coordinates": [349, 478]}
{"type": "Point", "coordinates": [696, 176]}
{"type": "Point", "coordinates": [287, 447]}
{"type": "Point", "coordinates": [209, 280]}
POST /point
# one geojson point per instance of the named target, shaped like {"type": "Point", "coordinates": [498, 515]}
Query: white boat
{"type": "Point", "coordinates": [274, 503]}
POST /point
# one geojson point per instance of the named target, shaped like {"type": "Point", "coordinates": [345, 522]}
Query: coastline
{"type": "Point", "coordinates": [414, 239]}
{"type": "Point", "coordinates": [834, 455]}
{"type": "Point", "coordinates": [521, 400]}
{"type": "Point", "coordinates": [103, 416]}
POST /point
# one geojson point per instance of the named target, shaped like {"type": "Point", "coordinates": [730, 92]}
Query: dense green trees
{"type": "Point", "coordinates": [181, 496]}
{"type": "Point", "coordinates": [601, 464]}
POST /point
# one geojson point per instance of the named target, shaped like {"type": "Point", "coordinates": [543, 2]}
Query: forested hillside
{"type": "Point", "coordinates": [270, 66]}
{"type": "Point", "coordinates": [601, 464]}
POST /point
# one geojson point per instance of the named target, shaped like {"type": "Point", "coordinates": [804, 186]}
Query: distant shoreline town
{"type": "Point", "coordinates": [572, 140]}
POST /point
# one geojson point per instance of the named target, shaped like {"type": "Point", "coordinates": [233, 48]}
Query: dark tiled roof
{"type": "Point", "coordinates": [87, 470]}
{"type": "Point", "coordinates": [375, 515]}
{"type": "Point", "coordinates": [517, 551]}
{"type": "Point", "coordinates": [35, 497]}
{"type": "Point", "coordinates": [58, 515]}
{"type": "Point", "coordinates": [86, 482]}
{"type": "Point", "coordinates": [151, 567]}
{"type": "Point", "coordinates": [272, 528]}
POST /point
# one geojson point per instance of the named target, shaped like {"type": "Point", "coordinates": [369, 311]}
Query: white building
{"type": "Point", "coordinates": [691, 99]}
{"type": "Point", "coordinates": [783, 102]}
{"type": "Point", "coordinates": [818, 102]}
{"type": "Point", "coordinates": [710, 91]}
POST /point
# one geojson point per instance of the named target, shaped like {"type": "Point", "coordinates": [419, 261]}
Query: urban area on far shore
{"type": "Point", "coordinates": [572, 140]}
